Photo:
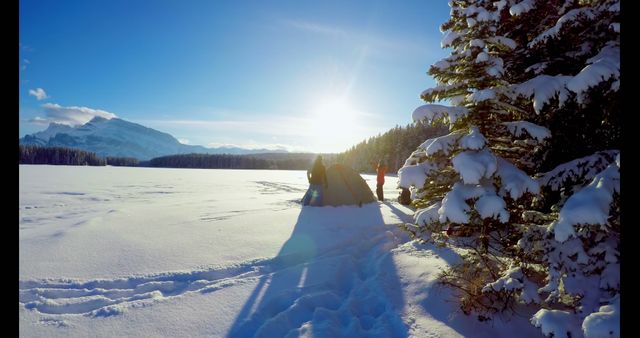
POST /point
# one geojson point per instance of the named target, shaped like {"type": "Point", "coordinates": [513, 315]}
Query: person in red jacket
{"type": "Point", "coordinates": [380, 171]}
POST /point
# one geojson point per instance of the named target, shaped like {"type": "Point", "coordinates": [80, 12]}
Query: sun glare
{"type": "Point", "coordinates": [332, 124]}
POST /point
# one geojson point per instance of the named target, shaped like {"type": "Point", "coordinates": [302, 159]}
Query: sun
{"type": "Point", "coordinates": [333, 122]}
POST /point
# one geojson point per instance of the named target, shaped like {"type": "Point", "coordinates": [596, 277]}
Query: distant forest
{"type": "Point", "coordinates": [31, 154]}
{"type": "Point", "coordinates": [393, 147]}
{"type": "Point", "coordinates": [278, 161]}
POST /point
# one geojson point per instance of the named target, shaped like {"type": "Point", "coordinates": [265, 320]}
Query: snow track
{"type": "Point", "coordinates": [346, 297]}
{"type": "Point", "coordinates": [335, 291]}
{"type": "Point", "coordinates": [102, 297]}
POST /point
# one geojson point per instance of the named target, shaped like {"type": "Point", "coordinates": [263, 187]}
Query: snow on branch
{"type": "Point", "coordinates": [573, 248]}
{"type": "Point", "coordinates": [529, 292]}
{"type": "Point", "coordinates": [608, 248]}
{"type": "Point", "coordinates": [510, 280]}
{"type": "Point", "coordinates": [499, 5]}
{"type": "Point", "coordinates": [442, 64]}
{"type": "Point", "coordinates": [515, 181]}
{"type": "Point", "coordinates": [449, 38]}
{"type": "Point", "coordinates": [474, 140]}
{"type": "Point", "coordinates": [491, 205]}
{"type": "Point", "coordinates": [502, 41]}
{"type": "Point", "coordinates": [543, 88]}
{"type": "Point", "coordinates": [557, 323]}
{"type": "Point", "coordinates": [569, 18]}
{"type": "Point", "coordinates": [521, 7]}
{"type": "Point", "coordinates": [535, 131]}
{"type": "Point", "coordinates": [610, 277]}
{"type": "Point", "coordinates": [537, 68]}
{"type": "Point", "coordinates": [432, 112]}
{"type": "Point", "coordinates": [482, 95]}
{"type": "Point", "coordinates": [496, 68]}
{"type": "Point", "coordinates": [428, 214]}
{"type": "Point", "coordinates": [584, 168]}
{"type": "Point", "coordinates": [460, 86]}
{"type": "Point", "coordinates": [474, 165]}
{"type": "Point", "coordinates": [600, 68]}
{"type": "Point", "coordinates": [479, 13]}
{"type": "Point", "coordinates": [471, 22]}
{"type": "Point", "coordinates": [443, 143]}
{"type": "Point", "coordinates": [590, 205]}
{"type": "Point", "coordinates": [605, 322]}
{"type": "Point", "coordinates": [414, 175]}
{"type": "Point", "coordinates": [454, 207]}
{"type": "Point", "coordinates": [457, 99]}
{"type": "Point", "coordinates": [484, 15]}
{"type": "Point", "coordinates": [477, 43]}
{"type": "Point", "coordinates": [482, 57]}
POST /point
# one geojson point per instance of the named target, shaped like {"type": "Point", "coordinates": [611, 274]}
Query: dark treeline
{"type": "Point", "coordinates": [294, 161]}
{"type": "Point", "coordinates": [122, 161]}
{"type": "Point", "coordinates": [208, 161]}
{"type": "Point", "coordinates": [225, 161]}
{"type": "Point", "coordinates": [32, 154]}
{"type": "Point", "coordinates": [393, 147]}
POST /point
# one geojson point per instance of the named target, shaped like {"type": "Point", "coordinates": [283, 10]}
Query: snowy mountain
{"type": "Point", "coordinates": [117, 137]}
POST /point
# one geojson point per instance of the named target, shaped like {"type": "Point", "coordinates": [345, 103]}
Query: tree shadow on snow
{"type": "Point", "coordinates": [333, 277]}
{"type": "Point", "coordinates": [403, 216]}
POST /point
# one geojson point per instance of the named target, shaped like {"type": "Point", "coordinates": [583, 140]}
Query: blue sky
{"type": "Point", "coordinates": [314, 76]}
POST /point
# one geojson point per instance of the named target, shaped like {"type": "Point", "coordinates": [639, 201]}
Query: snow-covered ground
{"type": "Point", "coordinates": [109, 251]}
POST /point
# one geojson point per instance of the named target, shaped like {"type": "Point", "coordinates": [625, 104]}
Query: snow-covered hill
{"type": "Point", "coordinates": [117, 137]}
{"type": "Point", "coordinates": [146, 252]}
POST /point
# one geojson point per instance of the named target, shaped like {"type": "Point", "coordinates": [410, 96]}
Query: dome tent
{"type": "Point", "coordinates": [346, 187]}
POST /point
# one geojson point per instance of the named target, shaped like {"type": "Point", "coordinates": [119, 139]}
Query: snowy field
{"type": "Point", "coordinates": [145, 252]}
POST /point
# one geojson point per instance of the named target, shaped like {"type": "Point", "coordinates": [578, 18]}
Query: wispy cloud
{"type": "Point", "coordinates": [24, 64]}
{"type": "Point", "coordinates": [26, 48]}
{"type": "Point", "coordinates": [39, 120]}
{"type": "Point", "coordinates": [39, 93]}
{"type": "Point", "coordinates": [315, 27]}
{"type": "Point", "coordinates": [184, 141]}
{"type": "Point", "coordinates": [278, 126]}
{"type": "Point", "coordinates": [69, 115]}
{"type": "Point", "coordinates": [377, 43]}
{"type": "Point", "coordinates": [23, 50]}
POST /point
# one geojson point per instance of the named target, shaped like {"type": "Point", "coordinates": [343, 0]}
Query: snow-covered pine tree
{"type": "Point", "coordinates": [532, 84]}
{"type": "Point", "coordinates": [582, 288]}
{"type": "Point", "coordinates": [475, 180]}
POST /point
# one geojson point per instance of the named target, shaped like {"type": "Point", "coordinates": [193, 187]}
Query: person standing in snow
{"type": "Point", "coordinates": [317, 178]}
{"type": "Point", "coordinates": [380, 171]}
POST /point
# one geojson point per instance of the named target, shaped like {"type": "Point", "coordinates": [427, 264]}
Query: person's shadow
{"type": "Point", "coordinates": [334, 277]}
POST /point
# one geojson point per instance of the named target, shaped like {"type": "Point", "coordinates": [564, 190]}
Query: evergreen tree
{"type": "Point", "coordinates": [532, 85]}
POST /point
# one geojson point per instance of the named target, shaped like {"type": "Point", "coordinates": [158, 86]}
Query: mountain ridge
{"type": "Point", "coordinates": [120, 138]}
